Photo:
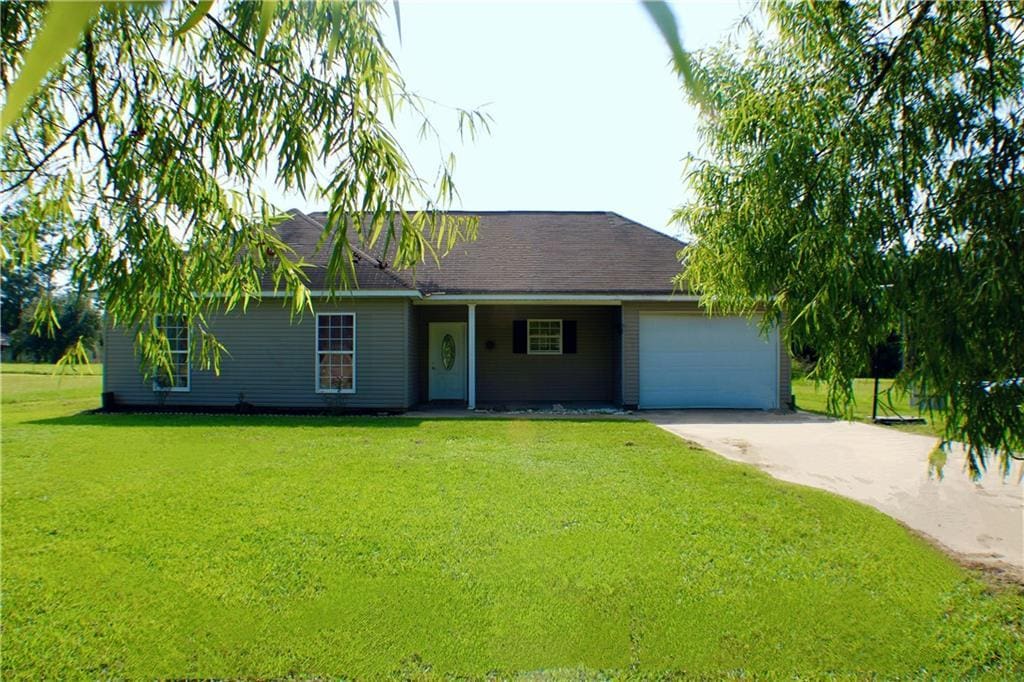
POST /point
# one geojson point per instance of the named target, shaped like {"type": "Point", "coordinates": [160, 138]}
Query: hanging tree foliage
{"type": "Point", "coordinates": [862, 175]}
{"type": "Point", "coordinates": [154, 122]}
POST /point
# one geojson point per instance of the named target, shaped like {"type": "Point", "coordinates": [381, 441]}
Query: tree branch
{"type": "Point", "coordinates": [890, 59]}
{"type": "Point", "coordinates": [241, 43]}
{"type": "Point", "coordinates": [21, 145]}
{"type": "Point", "coordinates": [90, 62]}
{"type": "Point", "coordinates": [36, 166]}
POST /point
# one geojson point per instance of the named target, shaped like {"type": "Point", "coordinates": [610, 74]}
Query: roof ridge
{"type": "Point", "coordinates": [646, 227]}
{"type": "Point", "coordinates": [507, 212]}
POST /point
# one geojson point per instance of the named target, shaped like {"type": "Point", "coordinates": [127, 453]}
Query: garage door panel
{"type": "Point", "coordinates": [698, 361]}
{"type": "Point", "coordinates": [714, 358]}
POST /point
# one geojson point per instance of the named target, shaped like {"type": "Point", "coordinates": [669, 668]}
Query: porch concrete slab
{"type": "Point", "coordinates": [980, 522]}
{"type": "Point", "coordinates": [531, 411]}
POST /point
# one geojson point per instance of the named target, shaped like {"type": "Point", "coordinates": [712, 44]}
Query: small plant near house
{"type": "Point", "coordinates": [243, 406]}
{"type": "Point", "coordinates": [334, 403]}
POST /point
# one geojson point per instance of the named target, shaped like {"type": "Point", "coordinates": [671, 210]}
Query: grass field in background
{"type": "Point", "coordinates": [92, 369]}
{"type": "Point", "coordinates": [27, 382]}
{"type": "Point", "coordinates": [812, 397]}
{"type": "Point", "coordinates": [154, 546]}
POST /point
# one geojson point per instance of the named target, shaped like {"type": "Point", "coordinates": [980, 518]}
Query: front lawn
{"type": "Point", "coordinates": [154, 546]}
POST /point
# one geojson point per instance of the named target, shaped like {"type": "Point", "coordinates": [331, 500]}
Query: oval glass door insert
{"type": "Point", "coordinates": [448, 351]}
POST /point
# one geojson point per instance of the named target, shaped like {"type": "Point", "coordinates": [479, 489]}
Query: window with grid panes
{"type": "Point", "coordinates": [544, 337]}
{"type": "Point", "coordinates": [175, 378]}
{"type": "Point", "coordinates": [335, 353]}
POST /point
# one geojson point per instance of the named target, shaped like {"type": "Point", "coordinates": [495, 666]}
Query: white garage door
{"type": "Point", "coordinates": [699, 361]}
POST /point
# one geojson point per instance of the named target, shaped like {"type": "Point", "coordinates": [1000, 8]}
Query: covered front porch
{"type": "Point", "coordinates": [517, 354]}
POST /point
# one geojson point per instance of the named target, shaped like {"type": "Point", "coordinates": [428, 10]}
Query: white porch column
{"type": "Point", "coordinates": [471, 344]}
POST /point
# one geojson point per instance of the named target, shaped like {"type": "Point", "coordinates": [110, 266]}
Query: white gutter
{"type": "Point", "coordinates": [596, 299]}
{"type": "Point", "coordinates": [349, 293]}
{"type": "Point", "coordinates": [440, 299]}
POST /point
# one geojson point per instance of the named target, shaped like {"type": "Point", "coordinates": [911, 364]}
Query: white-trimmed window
{"type": "Point", "coordinates": [544, 337]}
{"type": "Point", "coordinates": [336, 353]}
{"type": "Point", "coordinates": [175, 328]}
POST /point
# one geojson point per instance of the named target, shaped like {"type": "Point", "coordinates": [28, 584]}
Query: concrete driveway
{"type": "Point", "coordinates": [880, 466]}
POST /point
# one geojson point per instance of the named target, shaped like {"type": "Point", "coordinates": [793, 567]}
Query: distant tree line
{"type": "Point", "coordinates": [75, 323]}
{"type": "Point", "coordinates": [885, 362]}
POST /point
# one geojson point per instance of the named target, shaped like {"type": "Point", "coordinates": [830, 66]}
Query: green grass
{"type": "Point", "coordinates": [92, 369]}
{"type": "Point", "coordinates": [145, 546]}
{"type": "Point", "coordinates": [812, 397]}
{"type": "Point", "coordinates": [23, 382]}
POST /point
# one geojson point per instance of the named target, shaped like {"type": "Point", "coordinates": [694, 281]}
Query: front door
{"type": "Point", "coordinates": [447, 361]}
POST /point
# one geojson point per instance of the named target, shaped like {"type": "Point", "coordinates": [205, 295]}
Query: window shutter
{"type": "Point", "coordinates": [518, 336]}
{"type": "Point", "coordinates": [568, 336]}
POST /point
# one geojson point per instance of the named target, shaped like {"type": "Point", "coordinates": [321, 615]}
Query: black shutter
{"type": "Point", "coordinates": [568, 336]}
{"type": "Point", "coordinates": [518, 336]}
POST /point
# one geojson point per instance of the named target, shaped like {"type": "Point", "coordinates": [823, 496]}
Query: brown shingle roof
{"type": "Point", "coordinates": [302, 232]}
{"type": "Point", "coordinates": [528, 252]}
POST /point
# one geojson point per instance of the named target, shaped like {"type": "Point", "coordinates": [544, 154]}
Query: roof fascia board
{"type": "Point", "coordinates": [350, 293]}
{"type": "Point", "coordinates": [595, 299]}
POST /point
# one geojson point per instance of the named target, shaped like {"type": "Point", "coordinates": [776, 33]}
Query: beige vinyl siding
{"type": "Point", "coordinates": [272, 360]}
{"type": "Point", "coordinates": [631, 348]}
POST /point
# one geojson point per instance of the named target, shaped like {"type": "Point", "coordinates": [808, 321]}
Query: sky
{"type": "Point", "coordinates": [587, 113]}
